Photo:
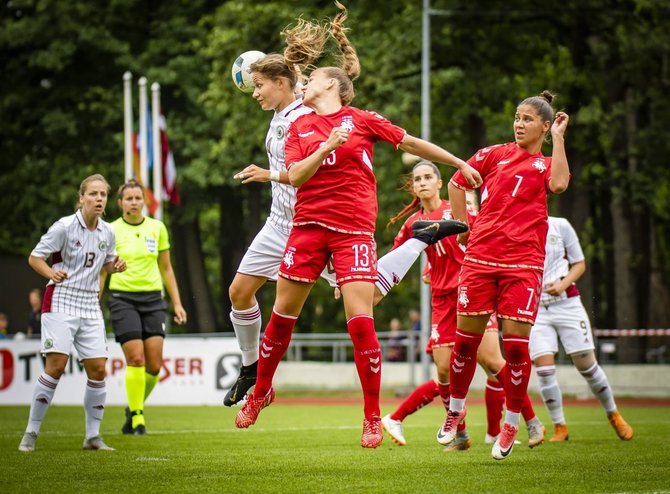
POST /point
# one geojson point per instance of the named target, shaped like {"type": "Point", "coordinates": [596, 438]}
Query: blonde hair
{"type": "Point", "coordinates": [274, 66]}
{"type": "Point", "coordinates": [83, 187]}
{"type": "Point", "coordinates": [306, 41]}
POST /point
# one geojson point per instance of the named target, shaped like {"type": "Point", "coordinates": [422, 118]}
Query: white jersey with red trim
{"type": "Point", "coordinates": [81, 253]}
{"type": "Point", "coordinates": [511, 227]}
{"type": "Point", "coordinates": [342, 194]}
{"type": "Point", "coordinates": [563, 249]}
{"type": "Point", "coordinates": [283, 195]}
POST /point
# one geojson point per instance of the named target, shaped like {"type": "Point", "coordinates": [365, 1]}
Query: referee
{"type": "Point", "coordinates": [136, 303]}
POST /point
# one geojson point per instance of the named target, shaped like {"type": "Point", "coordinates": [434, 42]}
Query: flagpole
{"type": "Point", "coordinates": [128, 125]}
{"type": "Point", "coordinates": [144, 156]}
{"type": "Point", "coordinates": [158, 161]}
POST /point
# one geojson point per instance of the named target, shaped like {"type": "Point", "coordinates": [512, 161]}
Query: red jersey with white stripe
{"type": "Point", "coordinates": [81, 253]}
{"type": "Point", "coordinates": [342, 194]}
{"type": "Point", "coordinates": [511, 227]}
{"type": "Point", "coordinates": [444, 257]}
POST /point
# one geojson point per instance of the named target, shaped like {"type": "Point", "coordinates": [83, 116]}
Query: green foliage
{"type": "Point", "coordinates": [60, 101]}
{"type": "Point", "coordinates": [316, 448]}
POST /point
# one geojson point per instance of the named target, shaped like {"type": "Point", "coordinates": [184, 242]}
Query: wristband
{"type": "Point", "coordinates": [274, 175]}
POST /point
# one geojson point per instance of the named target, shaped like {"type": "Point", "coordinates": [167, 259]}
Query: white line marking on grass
{"type": "Point", "coordinates": [233, 430]}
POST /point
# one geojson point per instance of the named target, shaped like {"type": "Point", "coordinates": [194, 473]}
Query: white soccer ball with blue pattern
{"type": "Point", "coordinates": [241, 71]}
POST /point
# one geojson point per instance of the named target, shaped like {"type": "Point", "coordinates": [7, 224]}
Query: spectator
{"type": "Point", "coordinates": [4, 323]}
{"type": "Point", "coordinates": [396, 346]}
{"type": "Point", "coordinates": [35, 315]}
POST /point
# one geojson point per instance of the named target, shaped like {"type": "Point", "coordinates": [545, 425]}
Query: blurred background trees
{"type": "Point", "coordinates": [61, 65]}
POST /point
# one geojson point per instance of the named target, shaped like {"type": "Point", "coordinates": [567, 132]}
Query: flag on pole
{"type": "Point", "coordinates": [169, 170]}
{"type": "Point", "coordinates": [149, 198]}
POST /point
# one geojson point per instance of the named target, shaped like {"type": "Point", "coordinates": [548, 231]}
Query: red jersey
{"type": "Point", "coordinates": [342, 194]}
{"type": "Point", "coordinates": [511, 227]}
{"type": "Point", "coordinates": [445, 257]}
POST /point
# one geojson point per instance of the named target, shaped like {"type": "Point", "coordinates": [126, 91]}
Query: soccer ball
{"type": "Point", "coordinates": [241, 70]}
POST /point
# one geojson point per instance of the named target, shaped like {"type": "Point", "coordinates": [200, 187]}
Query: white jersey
{"type": "Point", "coordinates": [283, 195]}
{"type": "Point", "coordinates": [562, 250]}
{"type": "Point", "coordinates": [81, 253]}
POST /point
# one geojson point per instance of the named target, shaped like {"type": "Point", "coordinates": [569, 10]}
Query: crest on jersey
{"type": "Point", "coordinates": [463, 296]}
{"type": "Point", "coordinates": [552, 239]}
{"type": "Point", "coordinates": [281, 132]}
{"type": "Point", "coordinates": [48, 344]}
{"type": "Point", "coordinates": [288, 259]}
{"type": "Point", "coordinates": [102, 245]}
{"type": "Point", "coordinates": [347, 123]}
{"type": "Point", "coordinates": [539, 165]}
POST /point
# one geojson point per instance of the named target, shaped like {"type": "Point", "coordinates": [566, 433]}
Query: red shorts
{"type": "Point", "coordinates": [513, 293]}
{"type": "Point", "coordinates": [309, 248]}
{"type": "Point", "coordinates": [443, 328]}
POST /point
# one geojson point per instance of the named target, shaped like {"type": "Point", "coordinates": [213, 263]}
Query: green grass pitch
{"type": "Point", "coordinates": [304, 447]}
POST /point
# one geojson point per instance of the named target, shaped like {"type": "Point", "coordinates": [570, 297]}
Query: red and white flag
{"type": "Point", "coordinates": [170, 187]}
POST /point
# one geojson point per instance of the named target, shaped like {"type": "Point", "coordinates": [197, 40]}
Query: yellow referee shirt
{"type": "Point", "coordinates": [139, 245]}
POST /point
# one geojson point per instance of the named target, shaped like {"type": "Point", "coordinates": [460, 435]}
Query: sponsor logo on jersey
{"type": "Point", "coordinates": [463, 296]}
{"type": "Point", "coordinates": [539, 165]}
{"type": "Point", "coordinates": [503, 162]}
{"type": "Point", "coordinates": [77, 243]}
{"type": "Point", "coordinates": [306, 134]}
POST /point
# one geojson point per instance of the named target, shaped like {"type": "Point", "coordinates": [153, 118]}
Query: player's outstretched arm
{"type": "Point", "coordinates": [433, 152]}
{"type": "Point", "coordinates": [254, 173]}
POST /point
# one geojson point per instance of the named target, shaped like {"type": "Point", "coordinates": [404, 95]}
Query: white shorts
{"type": "Point", "coordinates": [60, 331]}
{"type": "Point", "coordinates": [567, 320]}
{"type": "Point", "coordinates": [266, 252]}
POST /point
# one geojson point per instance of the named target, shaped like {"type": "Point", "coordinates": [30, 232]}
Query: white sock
{"type": "Point", "coordinates": [42, 396]}
{"type": "Point", "coordinates": [393, 267]}
{"type": "Point", "coordinates": [456, 404]}
{"type": "Point", "coordinates": [551, 393]}
{"type": "Point", "coordinates": [597, 380]}
{"type": "Point", "coordinates": [512, 418]}
{"type": "Point", "coordinates": [247, 325]}
{"type": "Point", "coordinates": [94, 406]}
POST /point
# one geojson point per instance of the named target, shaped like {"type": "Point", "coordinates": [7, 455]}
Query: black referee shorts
{"type": "Point", "coordinates": [137, 316]}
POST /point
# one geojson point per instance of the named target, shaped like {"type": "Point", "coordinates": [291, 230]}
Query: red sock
{"type": "Point", "coordinates": [494, 396]}
{"type": "Point", "coordinates": [367, 357]}
{"type": "Point", "coordinates": [527, 409]}
{"type": "Point", "coordinates": [517, 372]}
{"type": "Point", "coordinates": [463, 362]}
{"type": "Point", "coordinates": [275, 341]}
{"type": "Point", "coordinates": [419, 398]}
{"type": "Point", "coordinates": [444, 390]}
